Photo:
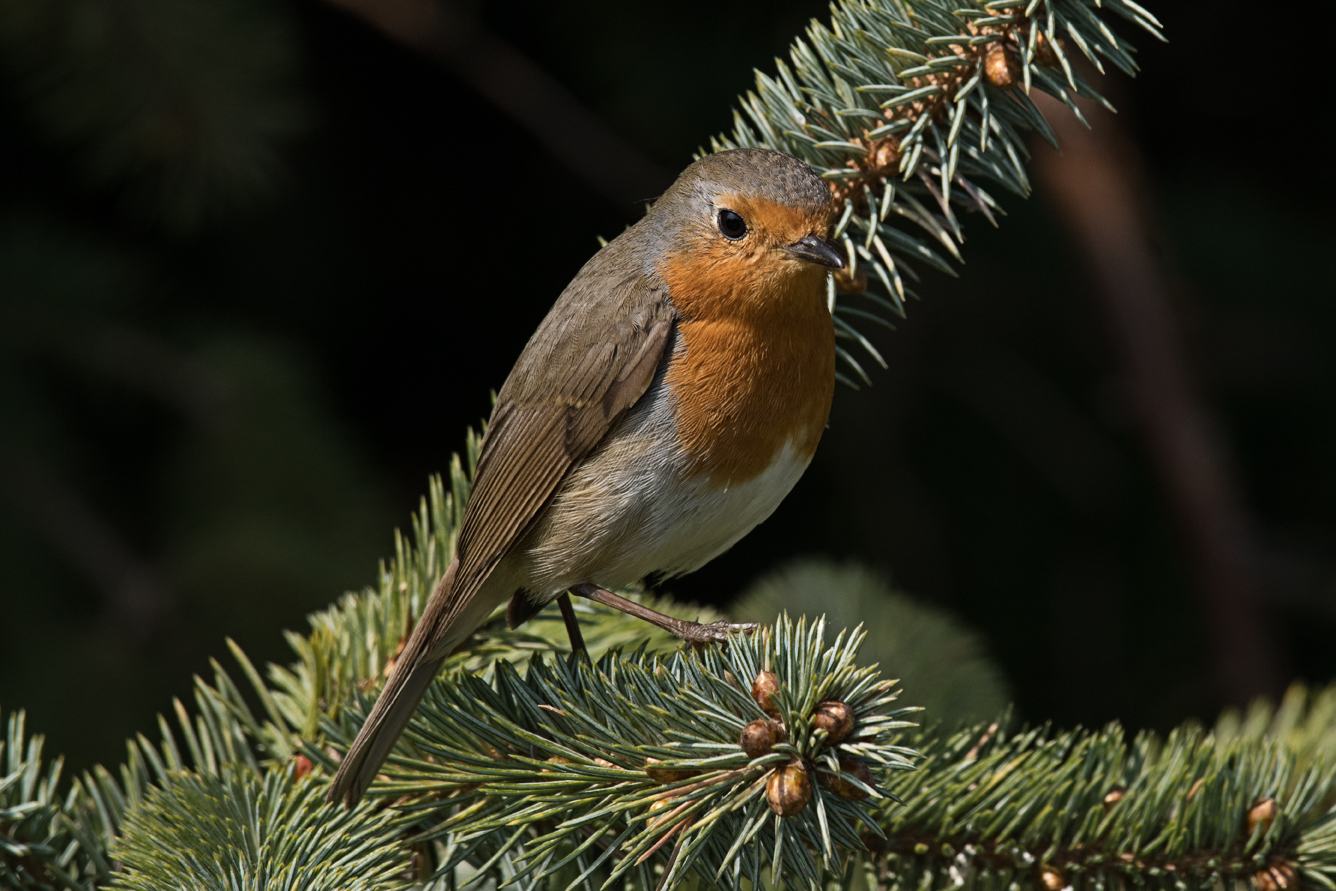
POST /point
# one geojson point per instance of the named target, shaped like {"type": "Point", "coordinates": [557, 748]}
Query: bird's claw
{"type": "Point", "coordinates": [716, 632]}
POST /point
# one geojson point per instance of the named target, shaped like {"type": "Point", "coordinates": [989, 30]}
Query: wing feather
{"type": "Point", "coordinates": [592, 358]}
{"type": "Point", "coordinates": [609, 345]}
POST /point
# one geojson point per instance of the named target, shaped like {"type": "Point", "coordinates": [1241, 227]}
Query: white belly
{"type": "Point", "coordinates": [691, 523]}
{"type": "Point", "coordinates": [632, 509]}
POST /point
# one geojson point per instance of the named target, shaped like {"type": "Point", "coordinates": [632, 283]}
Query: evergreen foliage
{"type": "Point", "coordinates": [32, 841]}
{"type": "Point", "coordinates": [237, 831]}
{"type": "Point", "coordinates": [1250, 803]}
{"type": "Point", "coordinates": [541, 767]}
{"type": "Point", "coordinates": [944, 666]}
{"type": "Point", "coordinates": [907, 107]}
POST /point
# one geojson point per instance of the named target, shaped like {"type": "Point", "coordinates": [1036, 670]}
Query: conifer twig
{"type": "Point", "coordinates": [906, 108]}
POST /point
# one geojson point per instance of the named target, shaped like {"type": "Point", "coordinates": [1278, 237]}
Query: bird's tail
{"type": "Point", "coordinates": [396, 704]}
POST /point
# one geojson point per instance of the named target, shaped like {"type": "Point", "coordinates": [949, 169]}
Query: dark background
{"type": "Point", "coordinates": [211, 422]}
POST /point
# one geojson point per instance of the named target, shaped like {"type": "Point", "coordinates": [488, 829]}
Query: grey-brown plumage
{"type": "Point", "coordinates": [579, 456]}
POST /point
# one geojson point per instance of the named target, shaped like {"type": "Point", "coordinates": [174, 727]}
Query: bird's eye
{"type": "Point", "coordinates": [732, 225]}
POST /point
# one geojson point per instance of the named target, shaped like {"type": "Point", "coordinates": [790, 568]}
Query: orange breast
{"type": "Point", "coordinates": [756, 368]}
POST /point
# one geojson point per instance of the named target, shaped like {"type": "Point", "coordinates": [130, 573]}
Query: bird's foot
{"type": "Point", "coordinates": [693, 633]}
{"type": "Point", "coordinates": [715, 632]}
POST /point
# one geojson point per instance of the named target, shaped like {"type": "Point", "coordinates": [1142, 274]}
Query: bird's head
{"type": "Point", "coordinates": [743, 230]}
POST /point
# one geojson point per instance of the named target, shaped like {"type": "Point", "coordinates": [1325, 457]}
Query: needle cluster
{"type": "Point", "coordinates": [910, 110]}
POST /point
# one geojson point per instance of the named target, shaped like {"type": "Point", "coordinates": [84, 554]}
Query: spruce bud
{"type": "Point", "coordinates": [789, 789]}
{"type": "Point", "coordinates": [764, 689]}
{"type": "Point", "coordinates": [836, 718]}
{"type": "Point", "coordinates": [840, 785]}
{"type": "Point", "coordinates": [1002, 68]}
{"type": "Point", "coordinates": [663, 775]}
{"type": "Point", "coordinates": [1262, 813]}
{"type": "Point", "coordinates": [759, 737]}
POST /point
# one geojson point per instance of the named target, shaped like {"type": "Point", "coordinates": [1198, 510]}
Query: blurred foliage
{"type": "Point", "coordinates": [177, 477]}
{"type": "Point", "coordinates": [943, 664]}
{"type": "Point", "coordinates": [182, 106]}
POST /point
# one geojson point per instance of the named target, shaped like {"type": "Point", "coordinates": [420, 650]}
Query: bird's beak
{"type": "Point", "coordinates": [817, 250]}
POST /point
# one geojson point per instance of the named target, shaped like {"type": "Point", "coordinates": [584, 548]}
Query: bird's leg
{"type": "Point", "coordinates": [692, 632]}
{"type": "Point", "coordinates": [572, 624]}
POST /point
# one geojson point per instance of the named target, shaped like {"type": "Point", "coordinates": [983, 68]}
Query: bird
{"type": "Point", "coordinates": [670, 399]}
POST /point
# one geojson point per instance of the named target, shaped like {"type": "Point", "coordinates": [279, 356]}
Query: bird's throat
{"type": "Point", "coordinates": [754, 369]}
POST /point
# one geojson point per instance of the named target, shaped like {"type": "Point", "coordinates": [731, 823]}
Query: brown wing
{"type": "Point", "coordinates": [591, 359]}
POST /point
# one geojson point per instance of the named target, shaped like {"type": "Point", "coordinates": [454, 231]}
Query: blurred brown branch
{"type": "Point", "coordinates": [132, 591]}
{"type": "Point", "coordinates": [1096, 187]}
{"type": "Point", "coordinates": [512, 82]}
{"type": "Point", "coordinates": [152, 365]}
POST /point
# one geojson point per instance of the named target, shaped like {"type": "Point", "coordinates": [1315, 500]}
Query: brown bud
{"type": "Point", "coordinates": [764, 689]}
{"type": "Point", "coordinates": [1262, 813]}
{"type": "Point", "coordinates": [883, 157]}
{"type": "Point", "coordinates": [758, 738]}
{"type": "Point", "coordinates": [557, 759]}
{"type": "Point", "coordinates": [836, 718]}
{"type": "Point", "coordinates": [655, 808]}
{"type": "Point", "coordinates": [664, 775]}
{"type": "Point", "coordinates": [849, 768]}
{"type": "Point", "coordinates": [1002, 68]}
{"type": "Point", "coordinates": [394, 657]}
{"type": "Point", "coordinates": [1114, 796]}
{"type": "Point", "coordinates": [789, 789]}
{"type": "Point", "coordinates": [604, 762]}
{"type": "Point", "coordinates": [1051, 879]}
{"type": "Point", "coordinates": [1276, 877]}
{"type": "Point", "coordinates": [1043, 51]}
{"type": "Point", "coordinates": [302, 765]}
{"type": "Point", "coordinates": [851, 283]}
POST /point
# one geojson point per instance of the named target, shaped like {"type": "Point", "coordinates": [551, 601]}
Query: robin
{"type": "Point", "coordinates": [672, 397]}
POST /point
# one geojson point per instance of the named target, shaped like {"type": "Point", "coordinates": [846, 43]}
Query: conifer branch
{"type": "Point", "coordinates": [597, 766]}
{"type": "Point", "coordinates": [906, 108]}
{"type": "Point", "coordinates": [1250, 803]}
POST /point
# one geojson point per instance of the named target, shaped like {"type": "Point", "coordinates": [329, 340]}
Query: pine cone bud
{"type": "Point", "coordinates": [1051, 879]}
{"type": "Point", "coordinates": [1002, 68]}
{"type": "Point", "coordinates": [840, 785]}
{"type": "Point", "coordinates": [789, 789]}
{"type": "Point", "coordinates": [1043, 51]}
{"type": "Point", "coordinates": [759, 737]}
{"type": "Point", "coordinates": [764, 689]}
{"type": "Point", "coordinates": [836, 718]}
{"type": "Point", "coordinates": [1277, 877]}
{"type": "Point", "coordinates": [655, 808]}
{"type": "Point", "coordinates": [663, 775]}
{"type": "Point", "coordinates": [1114, 796]}
{"type": "Point", "coordinates": [1262, 813]}
{"type": "Point", "coordinates": [302, 765]}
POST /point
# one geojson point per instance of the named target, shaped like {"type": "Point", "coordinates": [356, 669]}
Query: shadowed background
{"type": "Point", "coordinates": [260, 267]}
